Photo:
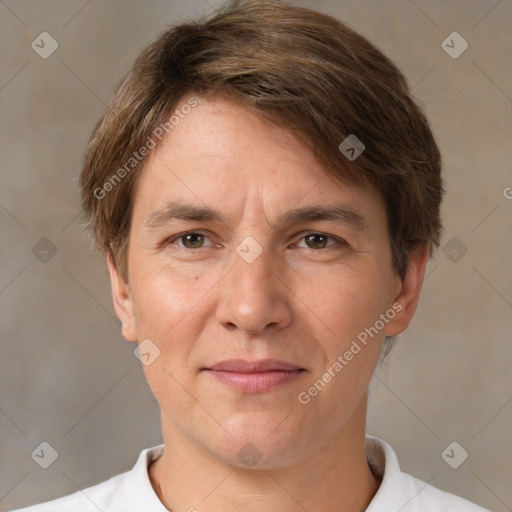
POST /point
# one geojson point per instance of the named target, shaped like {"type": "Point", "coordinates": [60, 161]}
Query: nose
{"type": "Point", "coordinates": [253, 295]}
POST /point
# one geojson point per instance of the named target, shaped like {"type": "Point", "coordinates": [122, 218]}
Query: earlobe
{"type": "Point", "coordinates": [409, 290]}
{"type": "Point", "coordinates": [123, 303]}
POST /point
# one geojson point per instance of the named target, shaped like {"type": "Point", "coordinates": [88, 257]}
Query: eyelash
{"type": "Point", "coordinates": [339, 241]}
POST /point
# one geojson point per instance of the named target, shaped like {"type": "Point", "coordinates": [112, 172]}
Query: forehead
{"type": "Point", "coordinates": [224, 135]}
{"type": "Point", "coordinates": [226, 157]}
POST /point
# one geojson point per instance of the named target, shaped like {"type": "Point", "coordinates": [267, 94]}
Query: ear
{"type": "Point", "coordinates": [123, 302]}
{"type": "Point", "coordinates": [408, 291]}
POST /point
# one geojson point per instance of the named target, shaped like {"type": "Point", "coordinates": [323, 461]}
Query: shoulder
{"type": "Point", "coordinates": [400, 491]}
{"type": "Point", "coordinates": [107, 495]}
{"type": "Point", "coordinates": [128, 491]}
{"type": "Point", "coordinates": [425, 497]}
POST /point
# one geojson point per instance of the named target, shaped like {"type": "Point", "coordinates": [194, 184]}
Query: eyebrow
{"type": "Point", "coordinates": [173, 211]}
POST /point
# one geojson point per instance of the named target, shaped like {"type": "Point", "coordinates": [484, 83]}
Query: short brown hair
{"type": "Point", "coordinates": [305, 71]}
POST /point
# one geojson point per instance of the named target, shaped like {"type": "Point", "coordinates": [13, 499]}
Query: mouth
{"type": "Point", "coordinates": [254, 376]}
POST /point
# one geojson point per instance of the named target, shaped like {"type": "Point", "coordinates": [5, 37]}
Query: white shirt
{"type": "Point", "coordinates": [132, 491]}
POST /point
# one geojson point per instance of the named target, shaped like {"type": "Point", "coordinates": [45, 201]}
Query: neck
{"type": "Point", "coordinates": [336, 477]}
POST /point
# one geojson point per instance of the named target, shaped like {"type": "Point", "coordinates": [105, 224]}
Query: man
{"type": "Point", "coordinates": [267, 194]}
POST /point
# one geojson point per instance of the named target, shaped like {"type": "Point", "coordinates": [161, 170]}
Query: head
{"type": "Point", "coordinates": [235, 132]}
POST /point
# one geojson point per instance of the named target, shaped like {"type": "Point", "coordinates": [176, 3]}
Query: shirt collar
{"type": "Point", "coordinates": [384, 463]}
{"type": "Point", "coordinates": [138, 489]}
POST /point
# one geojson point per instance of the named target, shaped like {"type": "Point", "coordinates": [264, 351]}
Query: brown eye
{"type": "Point", "coordinates": [316, 240]}
{"type": "Point", "coordinates": [192, 240]}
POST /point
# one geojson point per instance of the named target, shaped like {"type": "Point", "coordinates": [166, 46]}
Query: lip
{"type": "Point", "coordinates": [258, 366]}
{"type": "Point", "coordinates": [254, 376]}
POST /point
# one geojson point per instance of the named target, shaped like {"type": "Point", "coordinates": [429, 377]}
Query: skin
{"type": "Point", "coordinates": [303, 300]}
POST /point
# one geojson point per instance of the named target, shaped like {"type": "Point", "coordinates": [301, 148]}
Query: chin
{"type": "Point", "coordinates": [260, 443]}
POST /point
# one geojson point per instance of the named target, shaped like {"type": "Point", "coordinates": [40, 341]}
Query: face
{"type": "Point", "coordinates": [253, 273]}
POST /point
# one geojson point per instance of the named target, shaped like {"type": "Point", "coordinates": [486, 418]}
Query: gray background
{"type": "Point", "coordinates": [68, 377]}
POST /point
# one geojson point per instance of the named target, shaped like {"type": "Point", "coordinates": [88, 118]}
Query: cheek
{"type": "Point", "coordinates": [350, 302]}
{"type": "Point", "coordinates": [164, 299]}
{"type": "Point", "coordinates": [352, 331]}
{"type": "Point", "coordinates": [351, 344]}
{"type": "Point", "coordinates": [168, 312]}
{"type": "Point", "coordinates": [171, 308]}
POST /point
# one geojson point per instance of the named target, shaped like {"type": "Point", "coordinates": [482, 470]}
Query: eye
{"type": "Point", "coordinates": [194, 240]}
{"type": "Point", "coordinates": [320, 241]}
{"type": "Point", "coordinates": [190, 240]}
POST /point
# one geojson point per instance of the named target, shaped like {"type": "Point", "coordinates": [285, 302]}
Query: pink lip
{"type": "Point", "coordinates": [259, 366]}
{"type": "Point", "coordinates": [254, 376]}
